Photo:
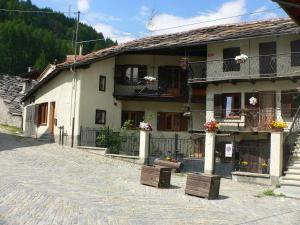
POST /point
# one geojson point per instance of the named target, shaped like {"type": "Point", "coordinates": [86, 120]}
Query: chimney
{"type": "Point", "coordinates": [26, 86]}
{"type": "Point", "coordinates": [29, 69]}
{"type": "Point", "coordinates": [80, 49]}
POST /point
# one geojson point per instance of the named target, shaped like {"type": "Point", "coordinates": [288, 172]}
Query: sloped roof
{"type": "Point", "coordinates": [292, 8]}
{"type": "Point", "coordinates": [197, 37]}
{"type": "Point", "coordinates": [190, 38]}
{"type": "Point", "coordinates": [10, 91]}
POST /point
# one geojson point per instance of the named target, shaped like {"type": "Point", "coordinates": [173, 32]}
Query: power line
{"type": "Point", "coordinates": [87, 41]}
{"type": "Point", "coordinates": [35, 11]}
{"type": "Point", "coordinates": [223, 18]}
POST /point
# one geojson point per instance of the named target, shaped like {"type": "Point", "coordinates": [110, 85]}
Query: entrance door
{"type": "Point", "coordinates": [52, 117]}
{"type": "Point", "coordinates": [267, 59]}
{"type": "Point", "coordinates": [267, 109]}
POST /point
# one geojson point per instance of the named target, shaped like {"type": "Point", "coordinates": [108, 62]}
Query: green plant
{"type": "Point", "coordinates": [128, 125]}
{"type": "Point", "coordinates": [107, 138]}
{"type": "Point", "coordinates": [270, 192]}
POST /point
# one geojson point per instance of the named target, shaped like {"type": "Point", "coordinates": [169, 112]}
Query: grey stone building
{"type": "Point", "coordinates": [12, 89]}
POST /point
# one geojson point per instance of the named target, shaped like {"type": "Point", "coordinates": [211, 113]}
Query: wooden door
{"type": "Point", "coordinates": [267, 108]}
{"type": "Point", "coordinates": [267, 59]}
{"type": "Point", "coordinates": [52, 117]}
{"type": "Point", "coordinates": [252, 111]}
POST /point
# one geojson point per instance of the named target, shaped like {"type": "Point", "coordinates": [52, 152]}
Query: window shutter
{"type": "Point", "coordinates": [286, 104]}
{"type": "Point", "coordinates": [160, 121]}
{"type": "Point", "coordinates": [142, 72]}
{"type": "Point", "coordinates": [183, 123]}
{"type": "Point", "coordinates": [218, 106]}
{"type": "Point", "coordinates": [295, 53]}
{"type": "Point", "coordinates": [119, 73]}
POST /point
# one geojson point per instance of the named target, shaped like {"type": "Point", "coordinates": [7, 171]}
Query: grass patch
{"type": "Point", "coordinates": [271, 193]}
{"type": "Point", "coordinates": [10, 129]}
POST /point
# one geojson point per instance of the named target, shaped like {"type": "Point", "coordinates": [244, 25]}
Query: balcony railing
{"type": "Point", "coordinates": [279, 65]}
{"type": "Point", "coordinates": [246, 120]}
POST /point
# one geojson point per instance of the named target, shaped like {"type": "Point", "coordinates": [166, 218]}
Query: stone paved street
{"type": "Point", "coordinates": [47, 184]}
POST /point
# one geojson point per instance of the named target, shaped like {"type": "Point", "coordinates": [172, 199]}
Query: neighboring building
{"type": "Point", "coordinates": [12, 89]}
{"type": "Point", "coordinates": [197, 76]}
{"type": "Point", "coordinates": [292, 8]}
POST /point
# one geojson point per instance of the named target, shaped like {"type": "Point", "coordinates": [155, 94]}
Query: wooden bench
{"type": "Point", "coordinates": [178, 166]}
{"type": "Point", "coordinates": [203, 185]}
{"type": "Point", "coordinates": [156, 176]}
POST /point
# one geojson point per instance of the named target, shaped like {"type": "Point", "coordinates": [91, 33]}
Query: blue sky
{"type": "Point", "coordinates": [130, 19]}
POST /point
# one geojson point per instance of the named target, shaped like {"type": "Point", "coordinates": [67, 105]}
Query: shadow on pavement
{"type": "Point", "coordinates": [13, 142]}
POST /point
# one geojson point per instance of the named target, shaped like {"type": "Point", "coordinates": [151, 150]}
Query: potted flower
{"type": "Point", "coordinates": [211, 126]}
{"type": "Point", "coordinates": [241, 58]}
{"type": "Point", "coordinates": [243, 165]}
{"type": "Point", "coordinates": [150, 80]}
{"type": "Point", "coordinates": [278, 125]}
{"type": "Point", "coordinates": [145, 126]}
{"type": "Point", "coordinates": [264, 167]}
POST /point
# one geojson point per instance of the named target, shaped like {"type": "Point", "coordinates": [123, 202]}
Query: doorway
{"type": "Point", "coordinates": [267, 59]}
{"type": "Point", "coordinates": [52, 117]}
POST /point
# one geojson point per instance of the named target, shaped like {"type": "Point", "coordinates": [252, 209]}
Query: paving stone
{"type": "Point", "coordinates": [49, 184]}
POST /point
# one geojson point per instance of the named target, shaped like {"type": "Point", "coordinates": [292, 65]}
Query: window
{"type": "Point", "coordinates": [289, 103]}
{"type": "Point", "coordinates": [102, 83]}
{"type": "Point", "coordinates": [134, 116]}
{"type": "Point", "coordinates": [227, 105]}
{"type": "Point", "coordinates": [43, 113]}
{"type": "Point", "coordinates": [231, 105]}
{"type": "Point", "coordinates": [130, 74]}
{"type": "Point", "coordinates": [171, 121]}
{"type": "Point", "coordinates": [229, 63]}
{"type": "Point", "coordinates": [100, 117]}
{"type": "Point", "coordinates": [295, 53]}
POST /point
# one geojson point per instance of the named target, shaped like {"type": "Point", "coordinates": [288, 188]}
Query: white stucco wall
{"type": "Point", "coordinates": [250, 47]}
{"type": "Point", "coordinates": [60, 91]}
{"type": "Point", "coordinates": [91, 98]}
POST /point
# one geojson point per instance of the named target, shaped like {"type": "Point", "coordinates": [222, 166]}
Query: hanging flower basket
{"type": "Point", "coordinates": [253, 101]}
{"type": "Point", "coordinates": [211, 126]}
{"type": "Point", "coordinates": [241, 58]}
{"type": "Point", "coordinates": [150, 80]}
{"type": "Point", "coordinates": [145, 126]}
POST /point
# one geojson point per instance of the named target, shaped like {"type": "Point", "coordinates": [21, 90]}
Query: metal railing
{"type": "Point", "coordinates": [122, 143]}
{"type": "Point", "coordinates": [253, 67]}
{"type": "Point", "coordinates": [291, 139]}
{"type": "Point", "coordinates": [176, 147]}
{"type": "Point", "coordinates": [251, 120]}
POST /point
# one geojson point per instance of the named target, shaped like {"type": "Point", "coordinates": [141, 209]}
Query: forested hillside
{"type": "Point", "coordinates": [36, 39]}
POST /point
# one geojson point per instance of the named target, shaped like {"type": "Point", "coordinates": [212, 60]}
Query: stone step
{"type": "Point", "coordinates": [292, 172]}
{"type": "Point", "coordinates": [293, 169]}
{"type": "Point", "coordinates": [294, 183]}
{"type": "Point", "coordinates": [291, 177]}
{"type": "Point", "coordinates": [294, 162]}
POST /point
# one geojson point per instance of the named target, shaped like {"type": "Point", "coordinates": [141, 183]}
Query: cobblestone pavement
{"type": "Point", "coordinates": [47, 184]}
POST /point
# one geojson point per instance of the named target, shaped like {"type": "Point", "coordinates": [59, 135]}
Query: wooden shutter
{"type": "Point", "coordinates": [160, 121]}
{"type": "Point", "coordinates": [183, 123]}
{"type": "Point", "coordinates": [286, 104]}
{"type": "Point", "coordinates": [218, 106]}
{"type": "Point", "coordinates": [120, 73]}
{"type": "Point", "coordinates": [142, 72]}
{"type": "Point", "coordinates": [295, 53]}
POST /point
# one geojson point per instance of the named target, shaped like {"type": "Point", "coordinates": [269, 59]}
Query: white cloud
{"type": "Point", "coordinates": [228, 9]}
{"type": "Point", "coordinates": [145, 11]}
{"type": "Point", "coordinates": [83, 5]}
{"type": "Point", "coordinates": [263, 15]}
{"type": "Point", "coordinates": [115, 34]}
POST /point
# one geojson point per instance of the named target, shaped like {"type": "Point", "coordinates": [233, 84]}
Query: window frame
{"type": "Point", "coordinates": [233, 110]}
{"type": "Point", "coordinates": [120, 74]}
{"type": "Point", "coordinates": [236, 67]}
{"type": "Point", "coordinates": [102, 78]}
{"type": "Point", "coordinates": [104, 120]}
{"type": "Point", "coordinates": [295, 62]}
{"type": "Point", "coordinates": [130, 114]}
{"type": "Point", "coordinates": [162, 125]}
{"type": "Point", "coordinates": [43, 114]}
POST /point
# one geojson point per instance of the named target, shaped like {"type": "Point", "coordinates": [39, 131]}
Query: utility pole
{"type": "Point", "coordinates": [75, 79]}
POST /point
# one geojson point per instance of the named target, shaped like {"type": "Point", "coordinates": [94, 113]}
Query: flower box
{"type": "Point", "coordinates": [156, 176]}
{"type": "Point", "coordinates": [203, 185]}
